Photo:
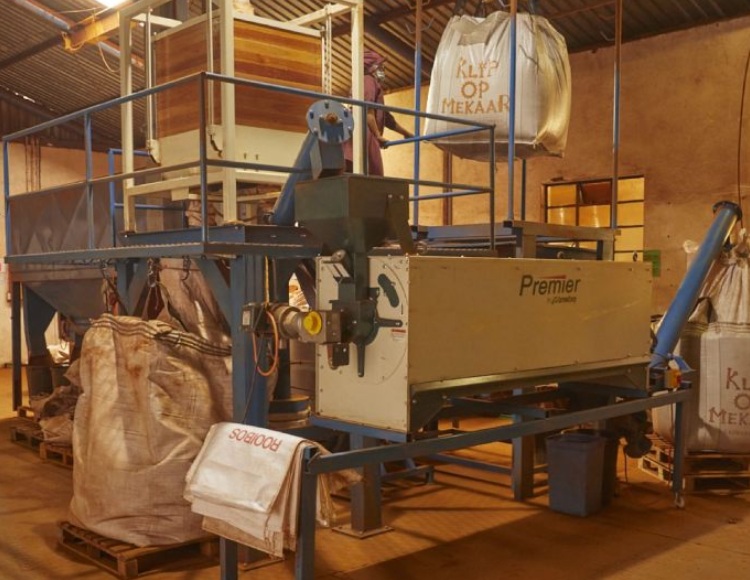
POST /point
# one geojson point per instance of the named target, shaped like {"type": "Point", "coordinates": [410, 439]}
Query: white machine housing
{"type": "Point", "coordinates": [482, 317]}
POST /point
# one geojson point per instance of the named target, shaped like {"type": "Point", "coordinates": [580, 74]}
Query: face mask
{"type": "Point", "coordinates": [379, 75]}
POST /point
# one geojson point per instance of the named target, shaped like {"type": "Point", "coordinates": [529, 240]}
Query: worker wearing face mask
{"type": "Point", "coordinates": [377, 119]}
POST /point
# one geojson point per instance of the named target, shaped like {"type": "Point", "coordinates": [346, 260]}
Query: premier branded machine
{"type": "Point", "coordinates": [407, 332]}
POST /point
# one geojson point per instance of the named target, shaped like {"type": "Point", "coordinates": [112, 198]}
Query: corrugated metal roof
{"type": "Point", "coordinates": [53, 79]}
{"type": "Point", "coordinates": [58, 82]}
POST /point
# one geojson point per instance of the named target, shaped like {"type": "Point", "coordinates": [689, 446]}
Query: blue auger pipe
{"type": "Point", "coordinates": [727, 214]}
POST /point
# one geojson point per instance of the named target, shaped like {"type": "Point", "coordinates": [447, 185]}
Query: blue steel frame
{"type": "Point", "coordinates": [314, 464]}
{"type": "Point", "coordinates": [204, 163]}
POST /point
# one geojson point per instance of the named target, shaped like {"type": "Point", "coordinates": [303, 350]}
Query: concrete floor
{"type": "Point", "coordinates": [463, 526]}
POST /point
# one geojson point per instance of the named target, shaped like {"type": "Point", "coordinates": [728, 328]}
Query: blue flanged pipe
{"type": "Point", "coordinates": [727, 214]}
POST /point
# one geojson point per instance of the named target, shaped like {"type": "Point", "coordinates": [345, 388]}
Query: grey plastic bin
{"type": "Point", "coordinates": [575, 464]}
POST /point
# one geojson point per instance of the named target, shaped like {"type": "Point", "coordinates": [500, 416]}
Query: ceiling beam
{"type": "Point", "coordinates": [46, 115]}
{"type": "Point", "coordinates": [398, 46]}
{"type": "Point", "coordinates": [388, 16]}
{"type": "Point", "coordinates": [31, 51]}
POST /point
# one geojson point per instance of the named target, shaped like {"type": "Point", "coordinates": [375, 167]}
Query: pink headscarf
{"type": "Point", "coordinates": [372, 60]}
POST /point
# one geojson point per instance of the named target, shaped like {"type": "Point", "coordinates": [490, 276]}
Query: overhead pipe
{"type": "Point", "coordinates": [727, 214]}
{"type": "Point", "coordinates": [417, 106]}
{"type": "Point", "coordinates": [512, 111]}
{"type": "Point", "coordinates": [66, 25]}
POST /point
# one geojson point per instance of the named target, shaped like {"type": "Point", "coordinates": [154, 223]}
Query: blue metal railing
{"type": "Point", "coordinates": [203, 79]}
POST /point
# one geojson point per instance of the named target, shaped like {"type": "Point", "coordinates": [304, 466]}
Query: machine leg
{"type": "Point", "coordinates": [679, 455]}
{"type": "Point", "coordinates": [228, 559]}
{"type": "Point", "coordinates": [367, 518]}
{"type": "Point", "coordinates": [522, 471]}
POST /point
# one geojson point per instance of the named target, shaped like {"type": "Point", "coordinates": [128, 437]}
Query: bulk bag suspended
{"type": "Point", "coordinates": [471, 80]}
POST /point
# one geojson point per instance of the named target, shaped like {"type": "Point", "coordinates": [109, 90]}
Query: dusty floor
{"type": "Point", "coordinates": [464, 526]}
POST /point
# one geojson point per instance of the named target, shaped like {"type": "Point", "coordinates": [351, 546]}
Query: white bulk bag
{"type": "Point", "coordinates": [246, 482]}
{"type": "Point", "coordinates": [471, 80]}
{"type": "Point", "coordinates": [716, 343]}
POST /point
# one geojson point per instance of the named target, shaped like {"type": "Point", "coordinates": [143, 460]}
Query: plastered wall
{"type": "Point", "coordinates": [680, 104]}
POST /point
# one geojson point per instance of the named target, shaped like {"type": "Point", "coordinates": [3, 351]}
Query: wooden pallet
{"type": "Point", "coordinates": [128, 561]}
{"type": "Point", "coordinates": [702, 471]}
{"type": "Point", "coordinates": [55, 453]}
{"type": "Point", "coordinates": [25, 412]}
{"type": "Point", "coordinates": [27, 433]}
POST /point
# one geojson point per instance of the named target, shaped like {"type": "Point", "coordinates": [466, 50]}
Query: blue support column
{"type": "Point", "coordinates": [679, 451]}
{"type": "Point", "coordinates": [89, 188]}
{"type": "Point", "coordinates": [203, 154]}
{"type": "Point", "coordinates": [512, 109]}
{"type": "Point", "coordinates": [305, 558]}
{"type": "Point", "coordinates": [112, 196]}
{"type": "Point", "coordinates": [248, 387]}
{"type": "Point", "coordinates": [6, 193]}
{"type": "Point", "coordinates": [15, 337]}
{"type": "Point", "coordinates": [418, 108]}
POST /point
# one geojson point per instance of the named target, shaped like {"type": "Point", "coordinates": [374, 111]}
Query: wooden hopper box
{"type": "Point", "coordinates": [270, 125]}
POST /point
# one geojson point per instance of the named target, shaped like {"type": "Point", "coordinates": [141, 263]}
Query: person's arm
{"type": "Point", "coordinates": [372, 125]}
{"type": "Point", "coordinates": [393, 125]}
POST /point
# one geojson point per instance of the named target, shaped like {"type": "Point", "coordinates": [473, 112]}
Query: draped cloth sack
{"type": "Point", "coordinates": [246, 482]}
{"type": "Point", "coordinates": [150, 395]}
{"type": "Point", "coordinates": [715, 343]}
{"type": "Point", "coordinates": [471, 80]}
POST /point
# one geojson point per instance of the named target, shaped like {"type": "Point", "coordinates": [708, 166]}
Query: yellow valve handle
{"type": "Point", "coordinates": [312, 323]}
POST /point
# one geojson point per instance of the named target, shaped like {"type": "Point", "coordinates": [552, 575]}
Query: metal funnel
{"type": "Point", "coordinates": [354, 212]}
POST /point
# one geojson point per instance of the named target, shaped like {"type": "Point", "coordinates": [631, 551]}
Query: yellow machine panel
{"type": "Point", "coordinates": [464, 318]}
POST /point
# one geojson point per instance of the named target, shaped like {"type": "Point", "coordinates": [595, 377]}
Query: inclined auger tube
{"type": "Point", "coordinates": [727, 214]}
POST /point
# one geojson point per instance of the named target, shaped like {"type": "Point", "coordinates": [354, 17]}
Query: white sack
{"type": "Point", "coordinates": [150, 395]}
{"type": "Point", "coordinates": [716, 342]}
{"type": "Point", "coordinates": [246, 482]}
{"type": "Point", "coordinates": [471, 80]}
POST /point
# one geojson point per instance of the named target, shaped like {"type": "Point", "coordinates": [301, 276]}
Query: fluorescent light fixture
{"type": "Point", "coordinates": [110, 3]}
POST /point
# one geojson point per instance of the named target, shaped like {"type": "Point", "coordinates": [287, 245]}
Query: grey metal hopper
{"type": "Point", "coordinates": [354, 212]}
{"type": "Point", "coordinates": [74, 291]}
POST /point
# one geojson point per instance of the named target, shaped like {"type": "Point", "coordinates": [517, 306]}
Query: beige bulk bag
{"type": "Point", "coordinates": [471, 80]}
{"type": "Point", "coordinates": [150, 395]}
{"type": "Point", "coordinates": [716, 344]}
